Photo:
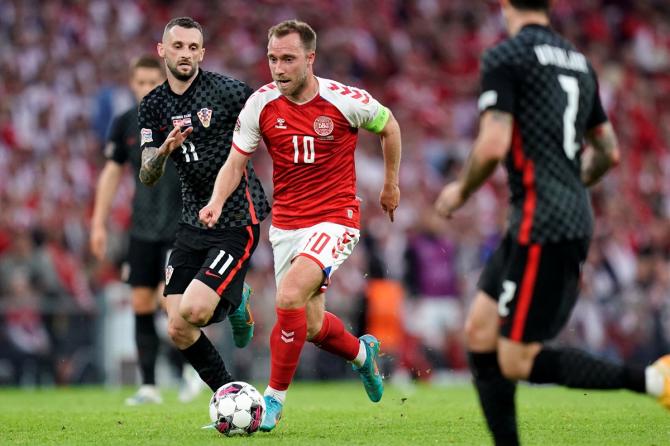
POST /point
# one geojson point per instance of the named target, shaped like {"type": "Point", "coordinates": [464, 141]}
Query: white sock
{"type": "Point", "coordinates": [362, 355]}
{"type": "Point", "coordinates": [279, 395]}
{"type": "Point", "coordinates": [654, 381]}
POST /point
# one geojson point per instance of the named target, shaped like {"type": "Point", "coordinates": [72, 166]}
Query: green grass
{"type": "Point", "coordinates": [333, 414]}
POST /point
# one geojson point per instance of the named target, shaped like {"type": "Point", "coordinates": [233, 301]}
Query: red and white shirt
{"type": "Point", "coordinates": [312, 148]}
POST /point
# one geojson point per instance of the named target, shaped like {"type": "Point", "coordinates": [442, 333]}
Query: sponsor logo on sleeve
{"type": "Point", "coordinates": [146, 136]}
{"type": "Point", "coordinates": [487, 99]}
{"type": "Point", "coordinates": [168, 274]}
{"type": "Point", "coordinates": [109, 149]}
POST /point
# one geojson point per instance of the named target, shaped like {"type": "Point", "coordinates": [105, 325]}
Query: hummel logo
{"type": "Point", "coordinates": [287, 336]}
{"type": "Point", "coordinates": [211, 274]}
{"type": "Point", "coordinates": [281, 123]}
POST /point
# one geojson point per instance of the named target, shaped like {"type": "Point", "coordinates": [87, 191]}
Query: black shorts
{"type": "Point", "coordinates": [535, 285]}
{"type": "Point", "coordinates": [147, 262]}
{"type": "Point", "coordinates": [218, 258]}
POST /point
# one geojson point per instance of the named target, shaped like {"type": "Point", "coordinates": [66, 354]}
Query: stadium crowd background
{"type": "Point", "coordinates": [63, 75]}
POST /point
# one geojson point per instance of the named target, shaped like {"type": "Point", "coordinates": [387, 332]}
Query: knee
{"type": "Point", "coordinates": [480, 335]}
{"type": "Point", "coordinates": [513, 367]}
{"type": "Point", "coordinates": [290, 298]}
{"type": "Point", "coordinates": [195, 314]}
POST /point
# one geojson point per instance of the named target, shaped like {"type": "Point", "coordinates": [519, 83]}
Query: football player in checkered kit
{"type": "Point", "coordinates": [190, 119]}
{"type": "Point", "coordinates": [539, 104]}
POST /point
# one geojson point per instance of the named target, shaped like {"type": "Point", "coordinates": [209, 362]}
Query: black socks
{"type": "Point", "coordinates": [147, 343]}
{"type": "Point", "coordinates": [207, 361]}
{"type": "Point", "coordinates": [577, 369]}
{"type": "Point", "coordinates": [496, 396]}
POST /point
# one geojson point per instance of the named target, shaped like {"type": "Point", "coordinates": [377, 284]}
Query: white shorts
{"type": "Point", "coordinates": [328, 244]}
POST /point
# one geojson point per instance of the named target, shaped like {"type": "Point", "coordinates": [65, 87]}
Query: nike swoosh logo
{"type": "Point", "coordinates": [209, 273]}
{"type": "Point", "coordinates": [162, 128]}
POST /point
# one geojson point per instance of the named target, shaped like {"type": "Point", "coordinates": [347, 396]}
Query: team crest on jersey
{"type": "Point", "coordinates": [205, 116]}
{"type": "Point", "coordinates": [323, 126]}
{"type": "Point", "coordinates": [146, 136]}
{"type": "Point", "coordinates": [281, 123]}
{"type": "Point", "coordinates": [168, 273]}
{"type": "Point", "coordinates": [182, 121]}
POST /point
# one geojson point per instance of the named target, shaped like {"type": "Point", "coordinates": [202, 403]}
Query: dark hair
{"type": "Point", "coordinates": [531, 5]}
{"type": "Point", "coordinates": [306, 33]}
{"type": "Point", "coordinates": [146, 61]}
{"type": "Point", "coordinates": [184, 22]}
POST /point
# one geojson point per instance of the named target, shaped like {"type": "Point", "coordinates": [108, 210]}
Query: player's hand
{"type": "Point", "coordinates": [98, 242]}
{"type": "Point", "coordinates": [450, 199]}
{"type": "Point", "coordinates": [389, 198]}
{"type": "Point", "coordinates": [174, 140]}
{"type": "Point", "coordinates": [210, 214]}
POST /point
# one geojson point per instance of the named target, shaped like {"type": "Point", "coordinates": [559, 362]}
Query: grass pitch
{"type": "Point", "coordinates": [334, 414]}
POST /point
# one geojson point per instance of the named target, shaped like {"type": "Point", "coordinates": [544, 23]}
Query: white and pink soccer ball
{"type": "Point", "coordinates": [237, 408]}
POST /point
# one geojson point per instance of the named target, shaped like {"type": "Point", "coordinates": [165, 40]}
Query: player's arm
{"type": "Point", "coordinates": [108, 183]}
{"type": "Point", "coordinates": [603, 156]}
{"type": "Point", "coordinates": [497, 103]}
{"type": "Point", "coordinates": [604, 153]}
{"type": "Point", "coordinates": [226, 182]}
{"type": "Point", "coordinates": [490, 147]}
{"type": "Point", "coordinates": [246, 137]}
{"type": "Point", "coordinates": [154, 159]}
{"type": "Point", "coordinates": [391, 148]}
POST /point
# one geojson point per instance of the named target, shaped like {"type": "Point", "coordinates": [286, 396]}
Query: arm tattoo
{"type": "Point", "coordinates": [153, 165]}
{"type": "Point", "coordinates": [500, 116]}
{"type": "Point", "coordinates": [605, 155]}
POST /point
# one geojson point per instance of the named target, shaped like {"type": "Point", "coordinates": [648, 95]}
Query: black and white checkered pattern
{"type": "Point", "coordinates": [562, 208]}
{"type": "Point", "coordinates": [206, 149]}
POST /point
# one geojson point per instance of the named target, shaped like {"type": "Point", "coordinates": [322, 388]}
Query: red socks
{"type": "Point", "coordinates": [286, 341]}
{"type": "Point", "coordinates": [289, 335]}
{"type": "Point", "coordinates": [334, 339]}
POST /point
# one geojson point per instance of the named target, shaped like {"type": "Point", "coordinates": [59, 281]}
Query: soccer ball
{"type": "Point", "coordinates": [237, 408]}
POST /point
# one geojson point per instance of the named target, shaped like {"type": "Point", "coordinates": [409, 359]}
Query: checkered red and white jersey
{"type": "Point", "coordinates": [312, 148]}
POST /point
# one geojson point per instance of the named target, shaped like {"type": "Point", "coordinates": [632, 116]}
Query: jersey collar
{"type": "Point", "coordinates": [190, 87]}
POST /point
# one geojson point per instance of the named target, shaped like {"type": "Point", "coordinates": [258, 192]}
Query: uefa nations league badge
{"type": "Point", "coordinates": [205, 116]}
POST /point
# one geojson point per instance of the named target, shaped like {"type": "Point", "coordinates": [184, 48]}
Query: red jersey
{"type": "Point", "coordinates": [312, 148]}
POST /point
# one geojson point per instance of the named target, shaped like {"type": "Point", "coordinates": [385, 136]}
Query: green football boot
{"type": "Point", "coordinates": [242, 321]}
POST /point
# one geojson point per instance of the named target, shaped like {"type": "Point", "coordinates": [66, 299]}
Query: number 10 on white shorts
{"type": "Point", "coordinates": [327, 244]}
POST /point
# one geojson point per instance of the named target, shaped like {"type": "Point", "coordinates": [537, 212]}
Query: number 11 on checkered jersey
{"type": "Point", "coordinates": [188, 150]}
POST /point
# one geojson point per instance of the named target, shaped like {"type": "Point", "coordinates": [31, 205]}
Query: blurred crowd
{"type": "Point", "coordinates": [63, 76]}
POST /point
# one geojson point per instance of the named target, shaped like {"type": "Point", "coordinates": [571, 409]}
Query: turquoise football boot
{"type": "Point", "coordinates": [369, 372]}
{"type": "Point", "coordinates": [272, 415]}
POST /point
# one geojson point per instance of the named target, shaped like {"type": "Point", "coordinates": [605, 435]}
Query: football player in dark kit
{"type": "Point", "coordinates": [539, 102]}
{"type": "Point", "coordinates": [190, 118]}
{"type": "Point", "coordinates": [155, 215]}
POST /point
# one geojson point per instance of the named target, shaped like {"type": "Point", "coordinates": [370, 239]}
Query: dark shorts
{"type": "Point", "coordinates": [147, 262]}
{"type": "Point", "coordinates": [219, 259]}
{"type": "Point", "coordinates": [535, 285]}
